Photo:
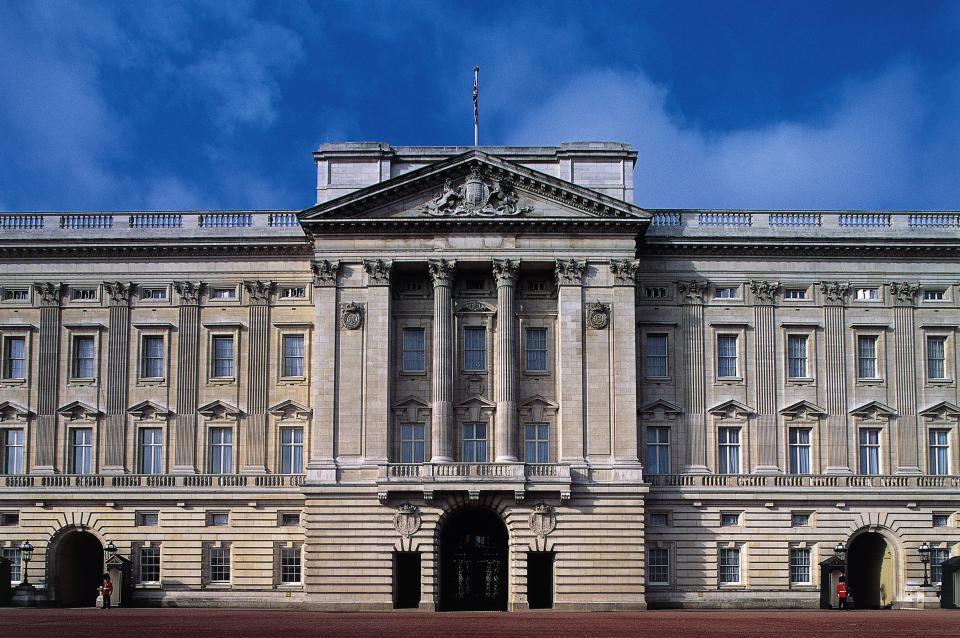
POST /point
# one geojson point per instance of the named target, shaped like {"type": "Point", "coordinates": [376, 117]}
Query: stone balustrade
{"type": "Point", "coordinates": [802, 480]}
{"type": "Point", "coordinates": [148, 223]}
{"type": "Point", "coordinates": [163, 481]}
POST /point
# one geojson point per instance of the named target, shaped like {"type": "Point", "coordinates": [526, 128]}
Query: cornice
{"type": "Point", "coordinates": [259, 246]}
{"type": "Point", "coordinates": [776, 246]}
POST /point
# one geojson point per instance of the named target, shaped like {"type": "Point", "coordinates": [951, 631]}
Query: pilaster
{"type": "Point", "coordinates": [118, 377]}
{"type": "Point", "coordinates": [694, 380]}
{"type": "Point", "coordinates": [764, 295]}
{"type": "Point", "coordinates": [320, 464]}
{"type": "Point", "coordinates": [188, 330]}
{"type": "Point", "coordinates": [904, 297]}
{"type": "Point", "coordinates": [376, 414]}
{"type": "Point", "coordinates": [625, 360]}
{"type": "Point", "coordinates": [834, 321]}
{"type": "Point", "coordinates": [48, 377]}
{"type": "Point", "coordinates": [505, 361]}
{"type": "Point", "coordinates": [441, 274]}
{"type": "Point", "coordinates": [258, 375]}
{"type": "Point", "coordinates": [570, 389]}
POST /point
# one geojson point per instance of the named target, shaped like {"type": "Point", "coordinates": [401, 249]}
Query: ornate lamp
{"type": "Point", "coordinates": [840, 551]}
{"type": "Point", "coordinates": [110, 550]}
{"type": "Point", "coordinates": [925, 551]}
{"type": "Point", "coordinates": [26, 553]}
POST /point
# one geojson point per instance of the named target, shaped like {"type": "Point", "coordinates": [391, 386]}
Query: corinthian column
{"type": "Point", "coordinates": [441, 273]}
{"type": "Point", "coordinates": [505, 362]}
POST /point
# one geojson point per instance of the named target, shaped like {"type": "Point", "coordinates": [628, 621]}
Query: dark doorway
{"type": "Point", "coordinates": [473, 562]}
{"type": "Point", "coordinates": [79, 569]}
{"type": "Point", "coordinates": [869, 572]}
{"type": "Point", "coordinates": [406, 580]}
{"type": "Point", "coordinates": [540, 580]}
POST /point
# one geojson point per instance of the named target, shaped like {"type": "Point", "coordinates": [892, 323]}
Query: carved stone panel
{"type": "Point", "coordinates": [904, 293]}
{"type": "Point", "coordinates": [505, 271]}
{"type": "Point", "coordinates": [625, 271]}
{"type": "Point", "coordinates": [49, 293]}
{"type": "Point", "coordinates": [189, 291]}
{"type": "Point", "coordinates": [325, 272]}
{"type": "Point", "coordinates": [378, 271]}
{"type": "Point", "coordinates": [478, 196]}
{"type": "Point", "coordinates": [598, 315]}
{"type": "Point", "coordinates": [441, 271]}
{"type": "Point", "coordinates": [351, 315]}
{"type": "Point", "coordinates": [543, 519]}
{"type": "Point", "coordinates": [691, 292]}
{"type": "Point", "coordinates": [765, 292]}
{"type": "Point", "coordinates": [834, 292]}
{"type": "Point", "coordinates": [259, 291]}
{"type": "Point", "coordinates": [407, 520]}
{"type": "Point", "coordinates": [569, 272]}
{"type": "Point", "coordinates": [119, 293]}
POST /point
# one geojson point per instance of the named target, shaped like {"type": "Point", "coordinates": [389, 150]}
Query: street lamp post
{"type": "Point", "coordinates": [26, 553]}
{"type": "Point", "coordinates": [925, 551]}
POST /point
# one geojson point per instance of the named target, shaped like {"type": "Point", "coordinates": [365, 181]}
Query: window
{"type": "Point", "coordinates": [9, 518]}
{"type": "Point", "coordinates": [223, 357]}
{"type": "Point", "coordinates": [656, 292]}
{"type": "Point", "coordinates": [933, 295]}
{"type": "Point", "coordinates": [12, 554]}
{"type": "Point", "coordinates": [939, 452]}
{"type": "Point", "coordinates": [84, 294]}
{"type": "Point", "coordinates": [727, 356]}
{"type": "Point", "coordinates": [289, 565]}
{"type": "Point", "coordinates": [937, 557]}
{"type": "Point", "coordinates": [474, 348]}
{"type": "Point", "coordinates": [869, 451]}
{"type": "Point", "coordinates": [725, 293]}
{"type": "Point", "coordinates": [656, 359]}
{"type": "Point", "coordinates": [867, 357]}
{"type": "Point", "coordinates": [658, 450]}
{"type": "Point", "coordinates": [151, 451]}
{"type": "Point", "coordinates": [536, 353]}
{"type": "Point", "coordinates": [14, 350]}
{"type": "Point", "coordinates": [729, 442]}
{"type": "Point", "coordinates": [536, 443]}
{"type": "Point", "coordinates": [867, 294]}
{"type": "Point", "coordinates": [11, 451]}
{"type": "Point", "coordinates": [218, 519]}
{"type": "Point", "coordinates": [293, 355]}
{"type": "Point", "coordinates": [475, 442]}
{"type": "Point", "coordinates": [81, 451]}
{"type": "Point", "coordinates": [799, 519]}
{"type": "Point", "coordinates": [536, 285]}
{"type": "Point", "coordinates": [219, 564]}
{"type": "Point", "coordinates": [291, 450]}
{"type": "Point", "coordinates": [149, 564]}
{"type": "Point", "coordinates": [289, 519]}
{"type": "Point", "coordinates": [729, 519]}
{"type": "Point", "coordinates": [148, 519]}
{"type": "Point", "coordinates": [83, 357]}
{"type": "Point", "coordinates": [153, 293]}
{"type": "Point", "coordinates": [293, 292]}
{"type": "Point", "coordinates": [729, 566]}
{"type": "Point", "coordinates": [221, 450]}
{"type": "Point", "coordinates": [941, 520]}
{"type": "Point", "coordinates": [414, 350]}
{"type": "Point", "coordinates": [475, 284]}
{"type": "Point", "coordinates": [797, 357]}
{"type": "Point", "coordinates": [936, 358]}
{"type": "Point", "coordinates": [412, 286]}
{"type": "Point", "coordinates": [16, 294]}
{"type": "Point", "coordinates": [151, 358]}
{"type": "Point", "coordinates": [800, 566]}
{"type": "Point", "coordinates": [659, 519]}
{"type": "Point", "coordinates": [411, 443]}
{"type": "Point", "coordinates": [795, 293]}
{"type": "Point", "coordinates": [658, 566]}
{"type": "Point", "coordinates": [799, 450]}
{"type": "Point", "coordinates": [223, 293]}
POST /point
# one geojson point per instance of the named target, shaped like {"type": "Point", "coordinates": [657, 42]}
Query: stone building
{"type": "Point", "coordinates": [480, 379]}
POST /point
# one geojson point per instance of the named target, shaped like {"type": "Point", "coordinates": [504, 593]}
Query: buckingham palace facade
{"type": "Point", "coordinates": [480, 378]}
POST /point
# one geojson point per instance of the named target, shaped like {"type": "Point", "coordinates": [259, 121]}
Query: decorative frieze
{"type": "Point", "coordinates": [351, 315]}
{"type": "Point", "coordinates": [625, 271]}
{"type": "Point", "coordinates": [834, 292]}
{"type": "Point", "coordinates": [324, 272]}
{"type": "Point", "coordinates": [258, 291]}
{"type": "Point", "coordinates": [569, 272]}
{"type": "Point", "coordinates": [378, 271]}
{"type": "Point", "coordinates": [598, 315]}
{"type": "Point", "coordinates": [765, 292]}
{"type": "Point", "coordinates": [904, 293]}
{"type": "Point", "coordinates": [118, 292]}
{"type": "Point", "coordinates": [188, 291]}
{"type": "Point", "coordinates": [691, 292]}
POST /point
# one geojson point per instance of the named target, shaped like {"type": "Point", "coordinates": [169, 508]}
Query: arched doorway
{"type": "Point", "coordinates": [473, 561]}
{"type": "Point", "coordinates": [77, 568]}
{"type": "Point", "coordinates": [870, 571]}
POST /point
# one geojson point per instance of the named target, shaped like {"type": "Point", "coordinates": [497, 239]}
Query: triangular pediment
{"type": "Point", "coordinates": [874, 410]}
{"type": "Point", "coordinates": [476, 400]}
{"type": "Point", "coordinates": [79, 410]}
{"type": "Point", "coordinates": [668, 409]}
{"type": "Point", "coordinates": [803, 410]}
{"type": "Point", "coordinates": [942, 410]}
{"type": "Point", "coordinates": [411, 408]}
{"type": "Point", "coordinates": [291, 409]}
{"type": "Point", "coordinates": [411, 402]}
{"type": "Point", "coordinates": [732, 409]}
{"type": "Point", "coordinates": [219, 410]}
{"type": "Point", "coordinates": [473, 186]}
{"type": "Point", "coordinates": [10, 411]}
{"type": "Point", "coordinates": [148, 410]}
{"type": "Point", "coordinates": [537, 408]}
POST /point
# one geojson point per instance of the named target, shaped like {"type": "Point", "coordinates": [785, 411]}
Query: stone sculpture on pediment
{"type": "Point", "coordinates": [478, 196]}
{"type": "Point", "coordinates": [324, 272]}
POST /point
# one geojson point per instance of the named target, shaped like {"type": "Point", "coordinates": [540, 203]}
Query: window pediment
{"type": "Point", "coordinates": [732, 409]}
{"type": "Point", "coordinates": [219, 410]}
{"type": "Point", "coordinates": [803, 410]}
{"type": "Point", "coordinates": [660, 407]}
{"type": "Point", "coordinates": [943, 411]}
{"type": "Point", "coordinates": [78, 410]}
{"type": "Point", "coordinates": [291, 409]}
{"type": "Point", "coordinates": [10, 411]}
{"type": "Point", "coordinates": [874, 411]}
{"type": "Point", "coordinates": [148, 410]}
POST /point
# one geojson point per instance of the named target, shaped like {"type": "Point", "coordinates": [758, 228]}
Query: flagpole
{"type": "Point", "coordinates": [476, 106]}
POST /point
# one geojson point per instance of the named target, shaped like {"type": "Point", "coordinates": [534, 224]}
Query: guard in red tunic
{"type": "Point", "coordinates": [842, 592]}
{"type": "Point", "coordinates": [106, 588]}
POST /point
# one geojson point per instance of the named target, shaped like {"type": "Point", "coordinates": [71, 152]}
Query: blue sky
{"type": "Point", "coordinates": [775, 104]}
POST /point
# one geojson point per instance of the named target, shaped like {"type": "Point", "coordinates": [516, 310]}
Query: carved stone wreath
{"type": "Point", "coordinates": [407, 520]}
{"type": "Point", "coordinates": [543, 519]}
{"type": "Point", "coordinates": [351, 316]}
{"type": "Point", "coordinates": [598, 315]}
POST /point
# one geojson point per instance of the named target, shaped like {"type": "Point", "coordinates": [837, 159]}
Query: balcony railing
{"type": "Point", "coordinates": [150, 481]}
{"type": "Point", "coordinates": [469, 472]}
{"type": "Point", "coordinates": [802, 480]}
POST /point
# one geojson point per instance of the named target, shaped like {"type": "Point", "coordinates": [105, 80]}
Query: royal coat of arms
{"type": "Point", "coordinates": [407, 520]}
{"type": "Point", "coordinates": [543, 519]}
{"type": "Point", "coordinates": [478, 196]}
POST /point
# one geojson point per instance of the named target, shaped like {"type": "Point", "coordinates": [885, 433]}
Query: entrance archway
{"type": "Point", "coordinates": [77, 569]}
{"type": "Point", "coordinates": [871, 571]}
{"type": "Point", "coordinates": [473, 561]}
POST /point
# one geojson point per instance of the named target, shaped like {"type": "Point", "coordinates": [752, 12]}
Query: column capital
{"type": "Point", "coordinates": [118, 292]}
{"type": "Point", "coordinates": [834, 292]}
{"type": "Point", "coordinates": [569, 272]}
{"type": "Point", "coordinates": [691, 292]}
{"type": "Point", "coordinates": [441, 271]}
{"type": "Point", "coordinates": [378, 271]}
{"type": "Point", "coordinates": [764, 292]}
{"type": "Point", "coordinates": [625, 271]}
{"type": "Point", "coordinates": [259, 291]}
{"type": "Point", "coordinates": [49, 293]}
{"type": "Point", "coordinates": [904, 293]}
{"type": "Point", "coordinates": [324, 272]}
{"type": "Point", "coordinates": [189, 292]}
{"type": "Point", "coordinates": [505, 271]}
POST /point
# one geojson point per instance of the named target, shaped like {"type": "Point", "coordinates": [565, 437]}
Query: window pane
{"type": "Point", "coordinates": [475, 442]}
{"type": "Point", "coordinates": [83, 357]}
{"type": "Point", "coordinates": [658, 450]}
{"type": "Point", "coordinates": [867, 357]}
{"type": "Point", "coordinates": [82, 451]}
{"type": "Point", "coordinates": [411, 443]}
{"type": "Point", "coordinates": [11, 452]}
{"type": "Point", "coordinates": [413, 350]}
{"type": "Point", "coordinates": [658, 565]}
{"type": "Point", "coordinates": [219, 564]}
{"type": "Point", "coordinates": [149, 564]}
{"type": "Point", "coordinates": [221, 450]}
{"type": "Point", "coordinates": [289, 564]}
{"type": "Point", "coordinates": [14, 364]}
{"type": "Point", "coordinates": [291, 450]}
{"type": "Point", "coordinates": [536, 354]}
{"type": "Point", "coordinates": [939, 452]}
{"type": "Point", "coordinates": [475, 349]}
{"type": "Point", "coordinates": [656, 360]}
{"type": "Point", "coordinates": [729, 566]}
{"type": "Point", "coordinates": [936, 358]}
{"type": "Point", "coordinates": [223, 356]}
{"type": "Point", "coordinates": [293, 356]}
{"type": "Point", "coordinates": [152, 364]}
{"type": "Point", "coordinates": [536, 440]}
{"type": "Point", "coordinates": [797, 356]}
{"type": "Point", "coordinates": [151, 451]}
{"type": "Point", "coordinates": [727, 356]}
{"type": "Point", "coordinates": [729, 451]}
{"type": "Point", "coordinates": [869, 451]}
{"type": "Point", "coordinates": [800, 565]}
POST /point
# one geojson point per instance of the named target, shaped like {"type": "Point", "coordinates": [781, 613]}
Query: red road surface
{"type": "Point", "coordinates": [217, 623]}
